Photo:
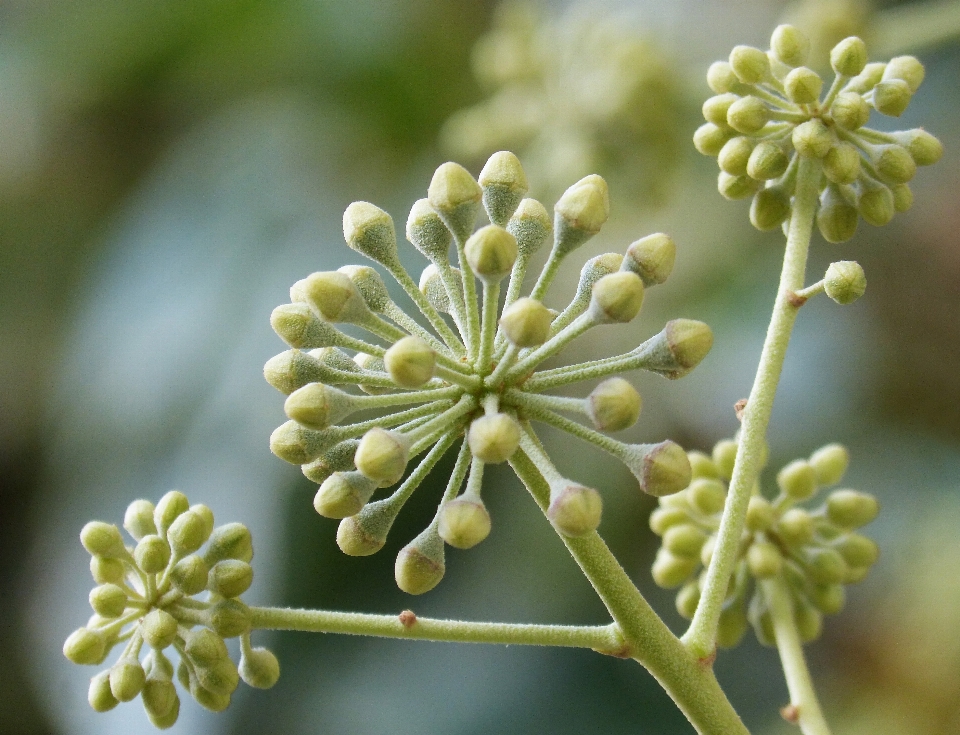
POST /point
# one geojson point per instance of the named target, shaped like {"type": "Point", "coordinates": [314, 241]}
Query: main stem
{"type": "Point", "coordinates": [702, 635]}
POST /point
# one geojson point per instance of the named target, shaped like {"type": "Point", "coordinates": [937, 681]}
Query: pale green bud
{"type": "Point", "coordinates": [107, 571]}
{"type": "Point", "coordinates": [343, 494]}
{"type": "Point", "coordinates": [616, 298]}
{"type": "Point", "coordinates": [85, 646]}
{"type": "Point", "coordinates": [837, 218]}
{"type": "Point", "coordinates": [671, 571]}
{"type": "Point", "coordinates": [706, 553]}
{"type": "Point", "coordinates": [126, 678]}
{"type": "Point", "coordinates": [432, 286]}
{"type": "Point", "coordinates": [809, 621]}
{"type": "Point", "coordinates": [138, 520]}
{"type": "Point", "coordinates": [875, 203]}
{"type": "Point", "coordinates": [338, 459]}
{"type": "Point", "coordinates": [574, 510]}
{"type": "Point", "coordinates": [526, 323]}
{"type": "Point", "coordinates": [317, 406]}
{"type": "Point", "coordinates": [504, 183]}
{"type": "Point", "coordinates": [220, 677]}
{"type": "Point", "coordinates": [662, 519]}
{"type": "Point", "coordinates": [205, 515]}
{"type": "Point", "coordinates": [803, 86]}
{"type": "Point", "coordinates": [531, 226]}
{"type": "Point", "coordinates": [369, 230]}
{"type": "Point", "coordinates": [661, 469]}
{"type": "Point", "coordinates": [891, 97]}
{"type": "Point", "coordinates": [707, 496]}
{"type": "Point", "coordinates": [494, 438]}
{"type": "Point", "coordinates": [189, 575]}
{"type": "Point", "coordinates": [764, 560]}
{"type": "Point", "coordinates": [798, 480]}
{"type": "Point", "coordinates": [790, 45]}
{"type": "Point", "coordinates": [849, 57]}
{"type": "Point", "coordinates": [652, 258]}
{"type": "Point", "coordinates": [770, 208]}
{"type": "Point", "coordinates": [850, 111]}
{"type": "Point", "coordinates": [230, 578]}
{"type": "Point", "coordinates": [826, 566]}
{"type": "Point", "coordinates": [925, 149]}
{"type": "Point", "coordinates": [491, 252]}
{"type": "Point", "coordinates": [748, 114]}
{"type": "Point", "coordinates": [795, 527]}
{"type": "Point", "coordinates": [751, 65]}
{"type": "Point", "coordinates": [188, 533]}
{"type": "Point", "coordinates": [204, 647]}
{"type": "Point", "coordinates": [812, 139]}
{"type": "Point", "coordinates": [108, 600]}
{"type": "Point", "coordinates": [701, 465]}
{"type": "Point", "coordinates": [684, 540]}
{"type": "Point", "coordinates": [152, 554]}
{"type": "Point", "coordinates": [580, 212]}
{"type": "Point", "coordinates": [760, 514]}
{"type": "Point", "coordinates": [464, 522]}
{"type": "Point", "coordinates": [229, 541]}
{"type": "Point", "coordinates": [420, 564]}
{"type": "Point", "coordinates": [829, 598]}
{"type": "Point", "coordinates": [229, 618]}
{"type": "Point", "coordinates": [720, 77]}
{"type": "Point", "coordinates": [709, 139]}
{"type": "Point", "coordinates": [259, 668]}
{"type": "Point", "coordinates": [687, 600]}
{"type": "Point", "coordinates": [291, 370]}
{"type": "Point", "coordinates": [736, 187]}
{"type": "Point", "coordinates": [845, 281]}
{"type": "Point", "coordinates": [427, 232]}
{"type": "Point", "coordinates": [724, 456]}
{"type": "Point", "coordinates": [856, 575]}
{"type": "Point", "coordinates": [731, 625]}
{"type": "Point", "coordinates": [168, 509]}
{"type": "Point", "coordinates": [410, 362]}
{"type": "Point", "coordinates": [688, 342]}
{"type": "Point", "coordinates": [366, 532]}
{"type": "Point", "coordinates": [160, 701]}
{"type": "Point", "coordinates": [842, 163]}
{"type": "Point", "coordinates": [894, 163]}
{"type": "Point", "coordinates": [102, 539]}
{"type": "Point", "coordinates": [867, 79]}
{"type": "Point", "coordinates": [336, 297]}
{"type": "Point", "coordinates": [369, 284]}
{"type": "Point", "coordinates": [830, 462]}
{"type": "Point", "coordinates": [902, 197]}
{"type": "Point", "coordinates": [159, 629]}
{"type": "Point", "coordinates": [99, 696]}
{"type": "Point", "coordinates": [767, 161]}
{"type": "Point", "coordinates": [613, 405]}
{"type": "Point", "coordinates": [455, 195]}
{"type": "Point", "coordinates": [207, 699]}
{"type": "Point", "coordinates": [851, 508]}
{"type": "Point", "coordinates": [858, 551]}
{"type": "Point", "coordinates": [907, 69]}
{"type": "Point", "coordinates": [382, 456]}
{"type": "Point", "coordinates": [715, 108]}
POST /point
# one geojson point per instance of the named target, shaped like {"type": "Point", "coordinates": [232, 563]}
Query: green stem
{"type": "Point", "coordinates": [554, 345]}
{"type": "Point", "coordinates": [488, 326]}
{"type": "Point", "coordinates": [426, 308]}
{"type": "Point", "coordinates": [469, 301]}
{"type": "Point", "coordinates": [701, 636]}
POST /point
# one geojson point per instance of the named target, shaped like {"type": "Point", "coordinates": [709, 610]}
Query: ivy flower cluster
{"type": "Point", "coordinates": [816, 551]}
{"type": "Point", "coordinates": [770, 110]}
{"type": "Point", "coordinates": [147, 598]}
{"type": "Point", "coordinates": [476, 378]}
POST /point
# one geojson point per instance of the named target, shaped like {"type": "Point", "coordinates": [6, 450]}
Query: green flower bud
{"type": "Point", "coordinates": [455, 195]}
{"type": "Point", "coordinates": [684, 540]}
{"type": "Point", "coordinates": [531, 226]}
{"type": "Point", "coordinates": [494, 438]}
{"type": "Point", "coordinates": [902, 197]}
{"type": "Point", "coordinates": [229, 541]}
{"type": "Point", "coordinates": [464, 522]}
{"type": "Point", "coordinates": [851, 509]}
{"type": "Point", "coordinates": [850, 111]}
{"type": "Point", "coordinates": [809, 621]}
{"type": "Point", "coordinates": [84, 646]}
{"type": "Point", "coordinates": [138, 520]}
{"type": "Point", "coordinates": [795, 527]}
{"type": "Point", "coordinates": [99, 695]}
{"type": "Point", "coordinates": [687, 600]}
{"type": "Point", "coordinates": [661, 469]}
{"type": "Point", "coordinates": [715, 108]}
{"type": "Point", "coordinates": [317, 406]}
{"type": "Point", "coordinates": [769, 208]}
{"type": "Point", "coordinates": [803, 86]}
{"type": "Point", "coordinates": [370, 286]}
{"type": "Point", "coordinates": [837, 218]}
{"type": "Point", "coordinates": [826, 566]}
{"type": "Point", "coordinates": [671, 571]}
{"type": "Point", "coordinates": [574, 509]}
{"type": "Point", "coordinates": [432, 286]}
{"type": "Point", "coordinates": [924, 148]}
{"type": "Point", "coordinates": [126, 678]}
{"type": "Point", "coordinates": [159, 629]}
{"type": "Point", "coordinates": [830, 462]}
{"type": "Point", "coordinates": [336, 297]}
{"type": "Point", "coordinates": [867, 79]}
{"type": "Point", "coordinates": [207, 699]}
{"type": "Point", "coordinates": [160, 701]}
{"type": "Point", "coordinates": [369, 230]}
{"type": "Point", "coordinates": [108, 600]}
{"type": "Point", "coordinates": [767, 161]}
{"type": "Point", "coordinates": [259, 668]}
{"type": "Point", "coordinates": [748, 114]}
{"type": "Point", "coordinates": [491, 252]}
{"type": "Point", "coordinates": [616, 298]}
{"type": "Point", "coordinates": [613, 405]}
{"type": "Point", "coordinates": [764, 560]}
{"type": "Point", "coordinates": [798, 480]}
{"type": "Point", "coordinates": [760, 514]}
{"type": "Point", "coordinates": [706, 553]}
{"type": "Point", "coordinates": [731, 625]}
{"type": "Point", "coordinates": [812, 139]}
{"type": "Point", "coordinates": [170, 507]}
{"type": "Point", "coordinates": [663, 518]}
{"type": "Point", "coordinates": [701, 465]}
{"type": "Point", "coordinates": [189, 575]}
{"type": "Point", "coordinates": [845, 281]}
{"type": "Point", "coordinates": [891, 97]}
{"type": "Point", "coordinates": [678, 348]}
{"type": "Point", "coordinates": [875, 203]}
{"type": "Point", "coordinates": [894, 163]}
{"type": "Point", "coordinates": [382, 456]}
{"type": "Point", "coordinates": [220, 677]}
{"type": "Point", "coordinates": [152, 554]}
{"type": "Point", "coordinates": [707, 496]}
{"type": "Point", "coordinates": [297, 325]}
{"type": "Point", "coordinates": [907, 69]}
{"type": "Point", "coordinates": [504, 183]}
{"type": "Point", "coordinates": [857, 551]}
{"type": "Point", "coordinates": [789, 45]}
{"type": "Point", "coordinates": [721, 78]}
{"type": "Point", "coordinates": [849, 57]}
{"type": "Point", "coordinates": [580, 213]}
{"type": "Point", "coordinates": [205, 515]}
{"type": "Point", "coordinates": [724, 456]}
{"type": "Point", "coordinates": [420, 564]}
{"type": "Point", "coordinates": [751, 65]}
{"type": "Point", "coordinates": [736, 187]}
{"type": "Point", "coordinates": [107, 571]}
{"type": "Point", "coordinates": [366, 532]}
{"type": "Point", "coordinates": [230, 578]}
{"type": "Point", "coordinates": [188, 533]}
{"type": "Point", "coordinates": [343, 494]}
{"type": "Point", "coordinates": [410, 362]}
{"type": "Point", "coordinates": [652, 258]}
{"type": "Point", "coordinates": [842, 163]}
{"type": "Point", "coordinates": [709, 139]}
{"type": "Point", "coordinates": [291, 370]}
{"type": "Point", "coordinates": [427, 232]}
{"type": "Point", "coordinates": [204, 647]}
{"type": "Point", "coordinates": [829, 598]}
{"type": "Point", "coordinates": [229, 618]}
{"type": "Point", "coordinates": [855, 575]}
{"type": "Point", "coordinates": [526, 323]}
{"type": "Point", "coordinates": [102, 539]}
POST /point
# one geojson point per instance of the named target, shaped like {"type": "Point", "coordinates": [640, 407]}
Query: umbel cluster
{"type": "Point", "coordinates": [467, 370]}
{"type": "Point", "coordinates": [770, 111]}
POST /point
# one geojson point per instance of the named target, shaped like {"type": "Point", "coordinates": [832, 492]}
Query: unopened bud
{"type": "Point", "coordinates": [790, 45]}
{"type": "Point", "coordinates": [826, 566]}
{"type": "Point", "coordinates": [720, 77]}
{"type": "Point", "coordinates": [99, 696]}
{"type": "Point", "coordinates": [684, 540]}
{"type": "Point", "coordinates": [188, 533]}
{"type": "Point", "coordinates": [464, 522]}
{"type": "Point", "coordinates": [616, 298]}
{"type": "Point", "coordinates": [317, 406]}
{"type": "Point", "coordinates": [809, 621]}
{"type": "Point", "coordinates": [108, 600]}
{"type": "Point", "coordinates": [764, 560]}
{"type": "Point", "coordinates": [204, 647]}
{"type": "Point", "coordinates": [830, 463]}
{"type": "Point", "coordinates": [767, 161]}
{"type": "Point", "coordinates": [851, 508]}
{"type": "Point", "coordinates": [427, 232]}
{"type": "Point", "coordinates": [760, 514]}
{"type": "Point", "coordinates": [907, 69]}
{"type": "Point", "coordinates": [725, 456]}
{"type": "Point", "coordinates": [876, 203]}
{"type": "Point", "coordinates": [432, 286]}
{"type": "Point", "coordinates": [837, 218]}
{"type": "Point", "coordinates": [867, 79]}
{"type": "Point", "coordinates": [707, 496]}
{"type": "Point", "coordinates": [138, 519]}
{"type": "Point", "coordinates": [530, 225]}
{"type": "Point", "coordinates": [715, 108]}
{"type": "Point", "coordinates": [491, 252]}
{"type": "Point", "coordinates": [731, 625]}
{"type": "Point", "coordinates": [420, 564]}
{"type": "Point", "coordinates": [803, 86]}
{"type": "Point", "coordinates": [220, 678]}
{"type": "Point", "coordinates": [107, 571]}
{"type": "Point", "coordinates": [894, 163]}
{"type": "Point", "coordinates": [369, 284]}
{"type": "Point", "coordinates": [382, 456]}
{"type": "Point", "coordinates": [845, 281]}
{"type": "Point", "coordinates": [366, 532]}
{"type": "Point", "coordinates": [410, 362]}
{"type": "Point", "coordinates": [126, 678]}
{"type": "Point", "coordinates": [229, 618]}
{"type": "Point", "coordinates": [291, 370]}
{"type": "Point", "coordinates": [229, 541]}
{"type": "Point", "coordinates": [748, 114]}
{"type": "Point", "coordinates": [736, 187]}
{"type": "Point", "coordinates": [152, 554]}
{"type": "Point", "coordinates": [795, 527]}
{"type": "Point", "coordinates": [504, 183]}
{"type": "Point", "coordinates": [230, 578]}
{"type": "Point", "coordinates": [850, 111]}
{"type": "Point", "coordinates": [701, 465]}
{"type": "Point", "coordinates": [751, 65]}
{"type": "Point", "coordinates": [336, 297]}
{"type": "Point", "coordinates": [161, 702]}
{"type": "Point", "coordinates": [652, 258]}
{"type": "Point", "coordinates": [925, 149]}
{"type": "Point", "coordinates": [812, 139]}
{"type": "Point", "coordinates": [902, 197]}
{"type": "Point", "coordinates": [613, 405]}
{"type": "Point", "coordinates": [891, 97]}
{"type": "Point", "coordinates": [574, 509]}
{"type": "Point", "coordinates": [259, 668]}
{"type": "Point", "coordinates": [84, 646]}
{"type": "Point", "coordinates": [769, 208]}
{"type": "Point", "coordinates": [798, 480]}
{"type": "Point", "coordinates": [829, 598]}
{"type": "Point", "coordinates": [369, 230]}
{"type": "Point", "coordinates": [663, 518]}
{"type": "Point", "coordinates": [710, 139]}
{"type": "Point", "coordinates": [661, 469]}
{"type": "Point", "coordinates": [169, 508]}
{"type": "Point", "coordinates": [102, 539]}
{"type": "Point", "coordinates": [343, 494]}
{"type": "Point", "coordinates": [842, 163]}
{"type": "Point", "coordinates": [687, 600]}
{"type": "Point", "coordinates": [337, 459]}
{"type": "Point", "coordinates": [580, 212]}
{"type": "Point", "coordinates": [455, 195]}
{"type": "Point", "coordinates": [207, 699]}
{"type": "Point", "coordinates": [526, 323]}
{"type": "Point", "coordinates": [189, 575]}
{"type": "Point", "coordinates": [494, 438]}
{"type": "Point", "coordinates": [849, 57]}
{"type": "Point", "coordinates": [159, 629]}
{"type": "Point", "coordinates": [858, 551]}
{"type": "Point", "coordinates": [671, 571]}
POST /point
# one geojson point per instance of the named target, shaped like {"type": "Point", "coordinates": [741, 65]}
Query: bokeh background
{"type": "Point", "coordinates": [168, 169]}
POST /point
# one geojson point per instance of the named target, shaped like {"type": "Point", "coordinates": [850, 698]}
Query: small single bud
{"type": "Point", "coordinates": [850, 111]}
{"type": "Point", "coordinates": [725, 456]}
{"type": "Point", "coordinates": [902, 197]}
{"type": "Point", "coordinates": [102, 539]}
{"type": "Point", "coordinates": [207, 699]}
{"type": "Point", "coordinates": [826, 566]}
{"type": "Point", "coordinates": [851, 509]}
{"type": "Point", "coordinates": [229, 541]}
{"type": "Point", "coordinates": [337, 459]}
{"type": "Point", "coordinates": [671, 571]}
{"type": "Point", "coordinates": [907, 69]}
{"type": "Point", "coordinates": [580, 212]}
{"type": "Point", "coordinates": [720, 77]}
{"type": "Point", "coordinates": [230, 578]}
{"type": "Point", "coordinates": [613, 405]}
{"type": "Point", "coordinates": [317, 406]}
{"type": "Point", "coordinates": [494, 438]}
{"type": "Point", "coordinates": [526, 323]}
{"type": "Point", "coordinates": [343, 494]}
{"type": "Point", "coordinates": [616, 298]}
{"type": "Point", "coordinates": [531, 226]}
{"type": "Point", "coordinates": [229, 618]}
{"type": "Point", "coordinates": [803, 86]}
{"type": "Point", "coordinates": [455, 195]}
{"type": "Point", "coordinates": [894, 163]}
{"type": "Point", "coordinates": [731, 625]}
{"type": "Point", "coordinates": [812, 139]}
{"type": "Point", "coordinates": [701, 465]}
{"type": "Point", "coordinates": [849, 57]}
{"type": "Point", "coordinates": [891, 97]}
{"type": "Point", "coordinates": [767, 161]}
{"type": "Point", "coordinates": [707, 496]}
{"type": "Point", "coordinates": [291, 370]}
{"type": "Point", "coordinates": [220, 678]}
{"type": "Point", "coordinates": [335, 297]}
{"type": "Point", "coordinates": [574, 510]}
{"type": "Point", "coordinates": [491, 252]}
{"type": "Point", "coordinates": [709, 139]}
{"type": "Point", "coordinates": [751, 65]}
{"type": "Point", "coordinates": [204, 647]}
{"type": "Point", "coordinates": [795, 527]}
{"type": "Point", "coordinates": [160, 699]}
{"type": "Point", "coordinates": [427, 232]}
{"type": "Point", "coordinates": [845, 281]}
{"type": "Point", "coordinates": [370, 286]}
{"type": "Point", "coordinates": [842, 163]}
{"type": "Point", "coordinates": [790, 45]}
{"type": "Point", "coordinates": [410, 362]}
{"type": "Point", "coordinates": [858, 551]}
{"type": "Point", "coordinates": [169, 508]}
{"type": "Point", "coordinates": [126, 678]}
{"type": "Point", "coordinates": [829, 598]}
{"type": "Point", "coordinates": [107, 571]}
{"type": "Point", "coordinates": [504, 183]}
{"type": "Point", "coordinates": [108, 600]}
{"type": "Point", "coordinates": [837, 218]}
{"type": "Point", "coordinates": [661, 469]}
{"type": "Point", "coordinates": [99, 696]}
{"type": "Point", "coordinates": [420, 564]}
{"type": "Point", "coordinates": [369, 230]}
{"type": "Point", "coordinates": [684, 540]}
{"type": "Point", "coordinates": [84, 646]}
{"type": "Point", "coordinates": [760, 514]}
{"type": "Point", "coordinates": [189, 575]}
{"type": "Point", "coordinates": [687, 342]}
{"type": "Point", "coordinates": [188, 533]}
{"type": "Point", "coordinates": [925, 149]}
{"type": "Point", "coordinates": [138, 520]}
{"type": "Point", "coordinates": [809, 621]}
{"type": "Point", "coordinates": [687, 600]}
{"type": "Point", "coordinates": [464, 522]}
{"type": "Point", "coordinates": [867, 79]}
{"type": "Point", "coordinates": [798, 480]}
{"type": "Point", "coordinates": [382, 456]}
{"type": "Point", "coordinates": [748, 114]}
{"type": "Point", "coordinates": [715, 108]}
{"type": "Point", "coordinates": [259, 668]}
{"type": "Point", "coordinates": [159, 629]}
{"type": "Point", "coordinates": [205, 515]}
{"type": "Point", "coordinates": [152, 554]}
{"type": "Point", "coordinates": [770, 208]}
{"type": "Point", "coordinates": [664, 518]}
{"type": "Point", "coordinates": [736, 187]}
{"type": "Point", "coordinates": [652, 258]}
{"type": "Point", "coordinates": [432, 286]}
{"type": "Point", "coordinates": [875, 203]}
{"type": "Point", "coordinates": [764, 560]}
{"type": "Point", "coordinates": [366, 532]}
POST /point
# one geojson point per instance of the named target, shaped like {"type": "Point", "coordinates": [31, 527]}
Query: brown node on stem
{"type": "Point", "coordinates": [739, 407]}
{"type": "Point", "coordinates": [707, 661]}
{"type": "Point", "coordinates": [791, 713]}
{"type": "Point", "coordinates": [796, 300]}
{"type": "Point", "coordinates": [408, 618]}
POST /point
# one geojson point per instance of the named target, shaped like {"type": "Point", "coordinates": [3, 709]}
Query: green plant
{"type": "Point", "coordinates": [805, 157]}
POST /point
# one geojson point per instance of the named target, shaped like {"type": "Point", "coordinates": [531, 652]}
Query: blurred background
{"type": "Point", "coordinates": [168, 169]}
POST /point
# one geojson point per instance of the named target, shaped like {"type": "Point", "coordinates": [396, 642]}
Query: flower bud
{"type": "Point", "coordinates": [343, 494]}
{"type": "Point", "coordinates": [410, 362]}
{"type": "Point", "coordinates": [420, 565]}
{"type": "Point", "coordinates": [764, 560]}
{"type": "Point", "coordinates": [661, 469]}
{"type": "Point", "coordinates": [684, 540]}
{"type": "Point", "coordinates": [789, 45]}
{"type": "Point", "coordinates": [204, 647]}
{"type": "Point", "coordinates": [851, 509]}
{"type": "Point", "coordinates": [229, 618]}
{"type": "Point", "coordinates": [161, 702]}
{"type": "Point", "coordinates": [531, 226]}
{"type": "Point", "coordinates": [736, 187]}
{"type": "Point", "coordinates": [220, 677]}
{"type": "Point", "coordinates": [526, 323]}
{"type": "Point", "coordinates": [850, 111]}
{"type": "Point", "coordinates": [295, 444]}
{"type": "Point", "coordinates": [867, 79]}
{"type": "Point", "coordinates": [907, 69]}
{"type": "Point", "coordinates": [616, 298]}
{"type": "Point", "coordinates": [826, 566]}
{"type": "Point", "coordinates": [382, 456]}
{"type": "Point", "coordinates": [229, 541]}
{"type": "Point", "coordinates": [317, 406]}
{"type": "Point", "coordinates": [369, 285]}
{"type": "Point", "coordinates": [849, 57]}
{"type": "Point", "coordinates": [845, 281]}
{"type": "Point", "coordinates": [613, 405]}
{"type": "Point", "coordinates": [464, 522]}
{"type": "Point", "coordinates": [455, 196]}
{"type": "Point", "coordinates": [126, 678]}
{"type": "Point", "coordinates": [894, 163]}
{"type": "Point", "coordinates": [715, 108]}
{"type": "Point", "coordinates": [188, 533]}
{"type": "Point", "coordinates": [724, 456]}
{"type": "Point", "coordinates": [891, 97]}
{"type": "Point", "coordinates": [432, 286]}
{"type": "Point", "coordinates": [99, 696]}
{"type": "Point", "coordinates": [731, 625]}
{"type": "Point", "coordinates": [760, 514]}
{"type": "Point", "coordinates": [189, 575]}
{"type": "Point", "coordinates": [427, 232]}
{"type": "Point", "coordinates": [366, 532]}
{"type": "Point", "coordinates": [207, 699]}
{"type": "Point", "coordinates": [138, 520]}
{"type": "Point", "coordinates": [580, 212]}
{"type": "Point", "coordinates": [259, 668]}
{"type": "Point", "coordinates": [168, 509]}
{"type": "Point", "coordinates": [748, 114]}
{"type": "Point", "coordinates": [875, 203]}
{"type": "Point", "coordinates": [687, 600]}
{"type": "Point", "coordinates": [663, 518]}
{"type": "Point", "coordinates": [679, 347]}
{"type": "Point", "coordinates": [925, 149]}
{"type": "Point", "coordinates": [671, 571]}
{"type": "Point", "coordinates": [701, 465]}
{"type": "Point", "coordinates": [652, 258]}
{"type": "Point", "coordinates": [337, 459]}
{"type": "Point", "coordinates": [709, 139]}
{"type": "Point", "coordinates": [857, 551]}
{"type": "Point", "coordinates": [494, 438]}
{"type": "Point", "coordinates": [152, 554]}
{"type": "Point", "coordinates": [837, 218]}
{"type": "Point", "coordinates": [830, 462]}
{"type": "Point", "coordinates": [102, 539]}
{"type": "Point", "coordinates": [902, 197]}
{"type": "Point", "coordinates": [798, 480]}
{"type": "Point", "coordinates": [369, 230]}
{"type": "Point", "coordinates": [751, 65]}
{"type": "Point", "coordinates": [291, 370]}
{"type": "Point", "coordinates": [491, 252]}
{"type": "Point", "coordinates": [504, 183]}
{"type": "Point", "coordinates": [85, 646]}
{"type": "Point", "coordinates": [795, 527]}
{"type": "Point", "coordinates": [159, 629]}
{"type": "Point", "coordinates": [829, 598]}
{"type": "Point", "coordinates": [108, 600]}
{"type": "Point", "coordinates": [574, 509]}
{"type": "Point", "coordinates": [842, 163]}
{"type": "Point", "coordinates": [769, 208]}
{"type": "Point", "coordinates": [230, 578]}
{"type": "Point", "coordinates": [107, 571]}
{"type": "Point", "coordinates": [767, 161]}
{"type": "Point", "coordinates": [809, 621]}
{"type": "Point", "coordinates": [803, 86]}
{"type": "Point", "coordinates": [707, 496]}
{"type": "Point", "coordinates": [720, 77]}
{"type": "Point", "coordinates": [812, 139]}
